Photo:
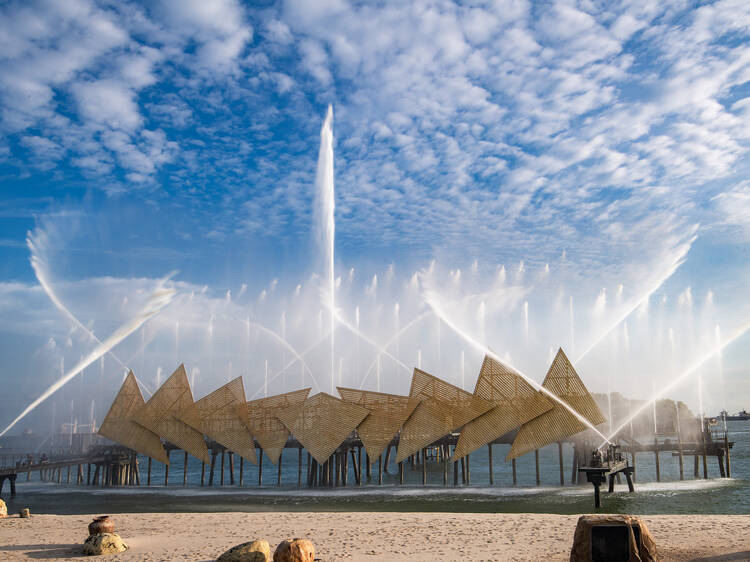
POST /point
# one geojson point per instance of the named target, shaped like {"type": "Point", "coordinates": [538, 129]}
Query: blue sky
{"type": "Point", "coordinates": [181, 135]}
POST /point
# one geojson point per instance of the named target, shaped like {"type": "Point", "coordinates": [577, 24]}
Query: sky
{"type": "Point", "coordinates": [513, 175]}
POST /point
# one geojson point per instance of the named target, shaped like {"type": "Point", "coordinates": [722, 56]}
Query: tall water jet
{"type": "Point", "coordinates": [720, 361]}
{"type": "Point", "coordinates": [526, 320]}
{"type": "Point", "coordinates": [160, 298]}
{"type": "Point", "coordinates": [327, 226]}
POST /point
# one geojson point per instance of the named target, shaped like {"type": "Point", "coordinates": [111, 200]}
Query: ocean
{"type": "Point", "coordinates": [690, 496]}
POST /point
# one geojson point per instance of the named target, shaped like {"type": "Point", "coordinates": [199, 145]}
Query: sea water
{"type": "Point", "coordinates": [712, 496]}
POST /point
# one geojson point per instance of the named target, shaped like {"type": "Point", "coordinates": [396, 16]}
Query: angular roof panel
{"type": "Point", "coordinates": [166, 413]}
{"type": "Point", "coordinates": [443, 408]}
{"type": "Point", "coordinates": [515, 402]}
{"type": "Point", "coordinates": [118, 425]}
{"type": "Point", "coordinates": [558, 423]}
{"type": "Point", "coordinates": [323, 423]}
{"type": "Point", "coordinates": [259, 416]}
{"type": "Point", "coordinates": [388, 412]}
{"type": "Point", "coordinates": [220, 421]}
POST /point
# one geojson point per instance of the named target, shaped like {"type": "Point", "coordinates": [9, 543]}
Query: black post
{"type": "Point", "coordinates": [221, 480]}
{"type": "Point", "coordinates": [184, 470]}
{"type": "Point", "coordinates": [231, 468]}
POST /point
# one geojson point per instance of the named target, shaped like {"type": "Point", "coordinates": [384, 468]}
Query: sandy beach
{"type": "Point", "coordinates": [365, 536]}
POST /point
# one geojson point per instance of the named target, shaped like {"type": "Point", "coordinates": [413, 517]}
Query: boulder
{"type": "Point", "coordinates": [294, 550]}
{"type": "Point", "coordinates": [3, 509]}
{"type": "Point", "coordinates": [253, 551]}
{"type": "Point", "coordinates": [612, 537]}
{"type": "Point", "coordinates": [105, 543]}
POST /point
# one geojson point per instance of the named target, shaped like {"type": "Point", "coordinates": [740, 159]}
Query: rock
{"type": "Point", "coordinates": [294, 550]}
{"type": "Point", "coordinates": [612, 537]}
{"type": "Point", "coordinates": [3, 509]}
{"type": "Point", "coordinates": [24, 513]}
{"type": "Point", "coordinates": [253, 551]}
{"type": "Point", "coordinates": [106, 543]}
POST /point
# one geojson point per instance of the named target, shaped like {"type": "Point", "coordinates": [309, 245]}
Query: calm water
{"type": "Point", "coordinates": [716, 495]}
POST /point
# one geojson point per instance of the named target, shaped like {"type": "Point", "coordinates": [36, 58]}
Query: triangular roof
{"type": "Point", "coordinates": [558, 423]}
{"type": "Point", "coordinates": [322, 424]}
{"type": "Point", "coordinates": [259, 416]}
{"type": "Point", "coordinates": [118, 424]}
{"type": "Point", "coordinates": [388, 412]}
{"type": "Point", "coordinates": [220, 421]}
{"type": "Point", "coordinates": [166, 411]}
{"type": "Point", "coordinates": [515, 402]}
{"type": "Point", "coordinates": [443, 408]}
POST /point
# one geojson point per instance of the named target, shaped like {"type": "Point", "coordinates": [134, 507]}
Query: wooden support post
{"type": "Point", "coordinates": [424, 467]}
{"type": "Point", "coordinates": [536, 464]}
{"type": "Point", "coordinates": [96, 474]}
{"type": "Point", "coordinates": [632, 455]}
{"type": "Point", "coordinates": [387, 457]}
{"type": "Point", "coordinates": [148, 472]}
{"type": "Point", "coordinates": [656, 459]}
{"type": "Point", "coordinates": [515, 477]}
{"type": "Point", "coordinates": [242, 470]}
{"type": "Point", "coordinates": [359, 463]}
{"type": "Point", "coordinates": [729, 461]}
{"type": "Point", "coordinates": [631, 488]}
{"type": "Point", "coordinates": [562, 467]}
{"type": "Point", "coordinates": [401, 472]}
{"type": "Point", "coordinates": [336, 469]}
{"type": "Point", "coordinates": [355, 467]}
{"type": "Point", "coordinates": [212, 467]}
{"type": "Point", "coordinates": [166, 470]}
{"type": "Point", "coordinates": [574, 474]}
{"type": "Point", "coordinates": [680, 455]}
{"type": "Point", "coordinates": [231, 468]}
{"type": "Point", "coordinates": [260, 468]}
{"type": "Point", "coordinates": [184, 469]}
{"type": "Point", "coordinates": [445, 469]}
{"type": "Point", "coordinates": [203, 473]}
{"type": "Point", "coordinates": [611, 483]}
{"type": "Point", "coordinates": [696, 473]}
{"type": "Point", "coordinates": [720, 460]}
{"type": "Point", "coordinates": [345, 473]}
{"type": "Point", "coordinates": [137, 472]}
{"type": "Point", "coordinates": [463, 470]}
{"type": "Point", "coordinates": [299, 466]}
{"type": "Point", "coordinates": [221, 479]}
{"type": "Point", "coordinates": [67, 480]}
{"type": "Point", "coordinates": [368, 467]}
{"type": "Point", "coordinates": [380, 469]}
{"type": "Point", "coordinates": [278, 477]}
{"type": "Point", "coordinates": [597, 498]}
{"type": "Point", "coordinates": [705, 463]}
{"type": "Point", "coordinates": [492, 475]}
{"type": "Point", "coordinates": [88, 474]}
{"type": "Point", "coordinates": [455, 473]}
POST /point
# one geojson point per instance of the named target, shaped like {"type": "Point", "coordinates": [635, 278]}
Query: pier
{"type": "Point", "coordinates": [115, 465]}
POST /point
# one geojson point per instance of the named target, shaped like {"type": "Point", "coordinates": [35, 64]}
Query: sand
{"type": "Point", "coordinates": [365, 536]}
